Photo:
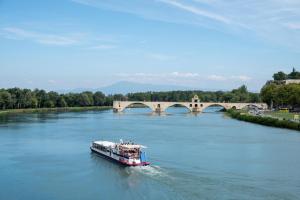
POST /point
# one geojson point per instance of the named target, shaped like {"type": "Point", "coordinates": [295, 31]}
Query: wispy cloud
{"type": "Point", "coordinates": [242, 78]}
{"type": "Point", "coordinates": [43, 38]}
{"type": "Point", "coordinates": [275, 21]}
{"type": "Point", "coordinates": [216, 78]}
{"type": "Point", "coordinates": [196, 11]}
{"type": "Point", "coordinates": [185, 74]}
{"type": "Point", "coordinates": [85, 40]}
{"type": "Point", "coordinates": [51, 81]}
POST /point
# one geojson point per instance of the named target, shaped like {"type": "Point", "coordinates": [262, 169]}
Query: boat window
{"type": "Point", "coordinates": [100, 147]}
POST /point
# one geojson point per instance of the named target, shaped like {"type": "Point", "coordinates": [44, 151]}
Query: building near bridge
{"type": "Point", "coordinates": [284, 82]}
{"type": "Point", "coordinates": [290, 81]}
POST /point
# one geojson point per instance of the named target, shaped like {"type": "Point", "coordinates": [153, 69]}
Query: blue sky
{"type": "Point", "coordinates": [203, 44]}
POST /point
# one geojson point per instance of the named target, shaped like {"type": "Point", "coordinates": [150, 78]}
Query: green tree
{"type": "Point", "coordinates": [49, 104]}
{"type": "Point", "coordinates": [5, 99]}
{"type": "Point", "coordinates": [99, 98]}
{"type": "Point", "coordinates": [25, 98]}
{"type": "Point", "coordinates": [294, 74]}
{"type": "Point", "coordinates": [228, 97]}
{"type": "Point", "coordinates": [53, 97]}
{"type": "Point", "coordinates": [279, 76]}
{"type": "Point", "coordinates": [84, 99]}
{"type": "Point", "coordinates": [120, 97]}
{"type": "Point", "coordinates": [41, 97]}
{"type": "Point", "coordinates": [268, 94]}
{"type": "Point", "coordinates": [281, 95]}
{"type": "Point", "coordinates": [28, 99]}
{"type": "Point", "coordinates": [16, 94]}
{"type": "Point", "coordinates": [61, 102]}
{"type": "Point", "coordinates": [71, 99]}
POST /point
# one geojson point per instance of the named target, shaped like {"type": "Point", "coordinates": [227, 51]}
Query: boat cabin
{"type": "Point", "coordinates": [103, 145]}
{"type": "Point", "coordinates": [130, 150]}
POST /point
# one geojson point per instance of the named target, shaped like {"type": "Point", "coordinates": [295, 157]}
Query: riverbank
{"type": "Point", "coordinates": [281, 115]}
{"type": "Point", "coordinates": [264, 120]}
{"type": "Point", "coordinates": [44, 110]}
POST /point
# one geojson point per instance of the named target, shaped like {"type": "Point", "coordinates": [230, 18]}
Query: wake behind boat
{"type": "Point", "coordinates": [126, 153]}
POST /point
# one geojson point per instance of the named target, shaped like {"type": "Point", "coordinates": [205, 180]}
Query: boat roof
{"type": "Point", "coordinates": [130, 146]}
{"type": "Point", "coordinates": [123, 145]}
{"type": "Point", "coordinates": [105, 143]}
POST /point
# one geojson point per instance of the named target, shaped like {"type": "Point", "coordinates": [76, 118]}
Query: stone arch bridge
{"type": "Point", "coordinates": [194, 106]}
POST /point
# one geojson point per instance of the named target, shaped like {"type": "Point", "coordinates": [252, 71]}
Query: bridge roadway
{"type": "Point", "coordinates": [194, 106]}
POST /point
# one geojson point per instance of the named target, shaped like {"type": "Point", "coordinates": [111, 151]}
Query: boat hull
{"type": "Point", "coordinates": [119, 159]}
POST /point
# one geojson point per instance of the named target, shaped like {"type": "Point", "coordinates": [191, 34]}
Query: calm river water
{"type": "Point", "coordinates": [205, 156]}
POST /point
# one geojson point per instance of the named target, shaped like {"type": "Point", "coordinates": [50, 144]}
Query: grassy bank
{"type": "Point", "coordinates": [44, 110]}
{"type": "Point", "coordinates": [264, 120]}
{"type": "Point", "coordinates": [280, 115]}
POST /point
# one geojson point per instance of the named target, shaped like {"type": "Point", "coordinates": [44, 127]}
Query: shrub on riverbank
{"type": "Point", "coordinates": [44, 110]}
{"type": "Point", "coordinates": [267, 121]}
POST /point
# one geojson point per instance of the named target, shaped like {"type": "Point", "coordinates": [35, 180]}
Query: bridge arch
{"type": "Point", "coordinates": [205, 106]}
{"type": "Point", "coordinates": [124, 106]}
{"type": "Point", "coordinates": [187, 106]}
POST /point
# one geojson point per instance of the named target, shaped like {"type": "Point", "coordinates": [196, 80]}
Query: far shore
{"type": "Point", "coordinates": [62, 109]}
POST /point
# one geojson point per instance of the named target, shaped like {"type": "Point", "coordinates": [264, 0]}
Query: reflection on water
{"type": "Point", "coordinates": [193, 156]}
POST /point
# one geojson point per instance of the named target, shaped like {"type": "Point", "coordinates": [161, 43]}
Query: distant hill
{"type": "Point", "coordinates": [124, 87]}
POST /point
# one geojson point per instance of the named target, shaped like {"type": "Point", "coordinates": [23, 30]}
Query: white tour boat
{"type": "Point", "coordinates": [126, 153]}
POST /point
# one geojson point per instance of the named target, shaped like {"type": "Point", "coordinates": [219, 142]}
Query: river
{"type": "Point", "coordinates": [204, 156]}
